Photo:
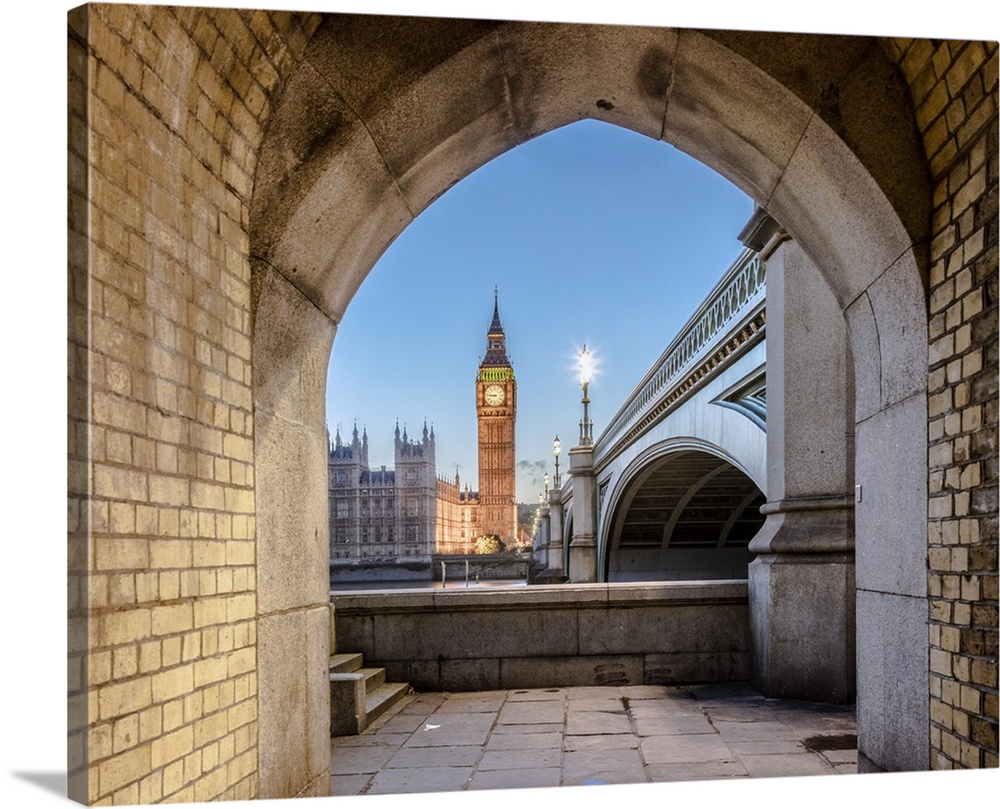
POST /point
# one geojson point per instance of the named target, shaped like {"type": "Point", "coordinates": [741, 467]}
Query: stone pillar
{"type": "Point", "coordinates": [583, 547]}
{"type": "Point", "coordinates": [541, 542]}
{"type": "Point", "coordinates": [802, 588]}
{"type": "Point", "coordinates": [555, 568]}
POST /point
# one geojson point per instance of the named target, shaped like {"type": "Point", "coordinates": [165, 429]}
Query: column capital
{"type": "Point", "coordinates": [806, 525]}
{"type": "Point", "coordinates": [581, 461]}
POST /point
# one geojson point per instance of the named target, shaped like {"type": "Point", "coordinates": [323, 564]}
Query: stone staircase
{"type": "Point", "coordinates": [359, 695]}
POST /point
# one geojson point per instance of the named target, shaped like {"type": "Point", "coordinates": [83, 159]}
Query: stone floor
{"type": "Point", "coordinates": [594, 735]}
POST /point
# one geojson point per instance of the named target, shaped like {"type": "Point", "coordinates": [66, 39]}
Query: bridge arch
{"type": "Point", "coordinates": [682, 509]}
{"type": "Point", "coordinates": [378, 120]}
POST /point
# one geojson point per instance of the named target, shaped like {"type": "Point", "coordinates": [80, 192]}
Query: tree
{"type": "Point", "coordinates": [488, 543]}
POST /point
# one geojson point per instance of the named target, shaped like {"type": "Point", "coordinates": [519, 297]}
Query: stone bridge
{"type": "Point", "coordinates": [732, 458]}
{"type": "Point", "coordinates": [678, 473]}
{"type": "Point", "coordinates": [235, 174]}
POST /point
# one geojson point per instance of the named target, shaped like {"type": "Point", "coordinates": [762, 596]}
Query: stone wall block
{"type": "Point", "coordinates": [892, 704]}
{"type": "Point", "coordinates": [891, 472]}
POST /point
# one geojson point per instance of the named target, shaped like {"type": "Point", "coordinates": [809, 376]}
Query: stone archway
{"type": "Point", "coordinates": [687, 514]}
{"type": "Point", "coordinates": [381, 117]}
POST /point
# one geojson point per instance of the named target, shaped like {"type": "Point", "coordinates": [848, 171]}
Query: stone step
{"type": "Point", "coordinates": [359, 694]}
{"type": "Point", "coordinates": [383, 698]}
{"type": "Point", "coordinates": [345, 662]}
{"type": "Point", "coordinates": [373, 678]}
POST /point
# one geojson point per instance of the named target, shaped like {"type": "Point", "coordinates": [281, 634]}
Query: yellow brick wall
{"type": "Point", "coordinates": [954, 90]}
{"type": "Point", "coordinates": [167, 113]}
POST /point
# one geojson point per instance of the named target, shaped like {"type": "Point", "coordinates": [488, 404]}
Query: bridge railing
{"type": "Point", "coordinates": [738, 294]}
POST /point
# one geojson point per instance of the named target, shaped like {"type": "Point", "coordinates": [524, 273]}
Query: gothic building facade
{"type": "Point", "coordinates": [403, 513]}
{"type": "Point", "coordinates": [409, 513]}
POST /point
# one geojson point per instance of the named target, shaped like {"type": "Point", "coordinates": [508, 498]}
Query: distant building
{"type": "Point", "coordinates": [496, 411]}
{"type": "Point", "coordinates": [408, 513]}
{"type": "Point", "coordinates": [403, 513]}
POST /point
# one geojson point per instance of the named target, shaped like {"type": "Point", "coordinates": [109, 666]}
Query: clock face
{"type": "Point", "coordinates": [494, 395]}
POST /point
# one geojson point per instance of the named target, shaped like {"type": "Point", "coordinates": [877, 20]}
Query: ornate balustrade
{"type": "Point", "coordinates": [729, 320]}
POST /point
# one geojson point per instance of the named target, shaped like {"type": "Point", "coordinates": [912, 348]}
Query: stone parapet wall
{"type": "Point", "coordinates": [545, 636]}
{"type": "Point", "coordinates": [954, 89]}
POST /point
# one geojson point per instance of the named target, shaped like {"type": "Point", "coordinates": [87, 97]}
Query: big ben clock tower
{"type": "Point", "coordinates": [496, 409]}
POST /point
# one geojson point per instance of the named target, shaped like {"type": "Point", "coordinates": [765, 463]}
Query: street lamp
{"type": "Point", "coordinates": [556, 446]}
{"type": "Point", "coordinates": [585, 366]}
{"type": "Point", "coordinates": [545, 478]}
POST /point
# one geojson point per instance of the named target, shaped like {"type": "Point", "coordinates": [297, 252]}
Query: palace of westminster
{"type": "Point", "coordinates": [408, 512]}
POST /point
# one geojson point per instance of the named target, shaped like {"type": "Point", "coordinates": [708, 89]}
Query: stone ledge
{"type": "Point", "coordinates": [554, 596]}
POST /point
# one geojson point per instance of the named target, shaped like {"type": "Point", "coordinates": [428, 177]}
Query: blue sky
{"type": "Point", "coordinates": [593, 234]}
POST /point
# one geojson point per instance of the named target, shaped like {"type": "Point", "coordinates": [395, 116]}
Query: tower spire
{"type": "Point", "coordinates": [496, 340]}
{"type": "Point", "coordinates": [496, 327]}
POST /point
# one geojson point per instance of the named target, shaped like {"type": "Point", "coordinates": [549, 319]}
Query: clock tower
{"type": "Point", "coordinates": [496, 409]}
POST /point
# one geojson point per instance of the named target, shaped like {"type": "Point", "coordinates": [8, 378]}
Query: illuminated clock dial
{"type": "Point", "coordinates": [494, 395]}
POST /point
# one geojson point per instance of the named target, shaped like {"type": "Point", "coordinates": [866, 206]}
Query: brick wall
{"type": "Point", "coordinates": [166, 114]}
{"type": "Point", "coordinates": [954, 89]}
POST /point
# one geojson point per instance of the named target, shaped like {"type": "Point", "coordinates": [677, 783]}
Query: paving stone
{"type": "Point", "coordinates": [736, 713]}
{"type": "Point", "coordinates": [606, 741]}
{"type": "Point", "coordinates": [483, 703]}
{"type": "Point", "coordinates": [696, 771]}
{"type": "Point", "coordinates": [673, 725]}
{"type": "Point", "coordinates": [637, 692]}
{"type": "Point", "coordinates": [755, 731]}
{"type": "Point", "coordinates": [781, 766]}
{"type": "Point", "coordinates": [451, 756]}
{"type": "Point", "coordinates": [521, 759]}
{"type": "Point", "coordinates": [402, 723]}
{"type": "Point", "coordinates": [521, 741]}
{"type": "Point", "coordinates": [608, 704]}
{"type": "Point", "coordinates": [369, 739]}
{"type": "Point", "coordinates": [602, 766]}
{"type": "Point", "coordinates": [348, 784]}
{"type": "Point", "coordinates": [659, 708]}
{"type": "Point", "coordinates": [420, 779]}
{"type": "Point", "coordinates": [836, 757]}
{"type": "Point", "coordinates": [422, 703]}
{"type": "Point", "coordinates": [443, 729]}
{"type": "Point", "coordinates": [554, 727]}
{"type": "Point", "coordinates": [532, 713]}
{"type": "Point", "coordinates": [514, 779]}
{"type": "Point", "coordinates": [353, 760]}
{"type": "Point", "coordinates": [525, 741]}
{"type": "Point", "coordinates": [532, 694]}
{"type": "Point", "coordinates": [816, 724]}
{"type": "Point", "coordinates": [590, 722]}
{"type": "Point", "coordinates": [767, 747]}
{"type": "Point", "coordinates": [684, 749]}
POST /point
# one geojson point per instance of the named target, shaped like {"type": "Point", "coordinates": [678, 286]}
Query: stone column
{"type": "Point", "coordinates": [555, 568]}
{"type": "Point", "coordinates": [802, 588]}
{"type": "Point", "coordinates": [541, 542]}
{"type": "Point", "coordinates": [583, 547]}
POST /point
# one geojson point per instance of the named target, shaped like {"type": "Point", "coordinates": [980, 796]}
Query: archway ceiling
{"type": "Point", "coordinates": [384, 114]}
{"type": "Point", "coordinates": [689, 500]}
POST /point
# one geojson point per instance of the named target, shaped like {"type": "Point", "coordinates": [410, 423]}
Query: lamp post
{"type": "Point", "coordinates": [585, 367]}
{"type": "Point", "coordinates": [556, 446]}
{"type": "Point", "coordinates": [583, 545]}
{"type": "Point", "coordinates": [545, 478]}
